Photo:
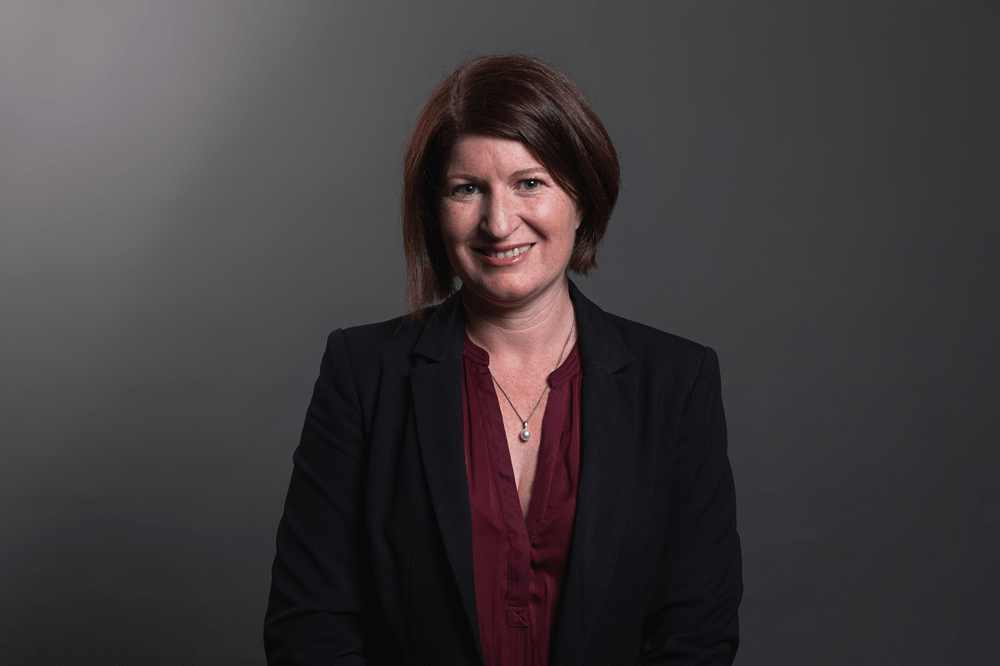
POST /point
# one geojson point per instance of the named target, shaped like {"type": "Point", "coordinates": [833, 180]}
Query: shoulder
{"type": "Point", "coordinates": [393, 342]}
{"type": "Point", "coordinates": [652, 342]}
{"type": "Point", "coordinates": [376, 343]}
{"type": "Point", "coordinates": [369, 338]}
{"type": "Point", "coordinates": [615, 343]}
{"type": "Point", "coordinates": [657, 351]}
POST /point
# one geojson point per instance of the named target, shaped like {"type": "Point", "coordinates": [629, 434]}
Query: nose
{"type": "Point", "coordinates": [500, 214]}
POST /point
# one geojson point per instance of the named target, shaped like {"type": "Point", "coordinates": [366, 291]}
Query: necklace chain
{"type": "Point", "coordinates": [525, 433]}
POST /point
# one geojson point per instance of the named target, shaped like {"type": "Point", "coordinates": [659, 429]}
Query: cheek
{"type": "Point", "coordinates": [455, 231]}
{"type": "Point", "coordinates": [569, 212]}
{"type": "Point", "coordinates": [449, 223]}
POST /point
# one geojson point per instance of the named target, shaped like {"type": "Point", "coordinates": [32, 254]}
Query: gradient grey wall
{"type": "Point", "coordinates": [192, 194]}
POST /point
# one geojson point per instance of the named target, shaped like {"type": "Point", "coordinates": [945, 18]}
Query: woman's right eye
{"type": "Point", "coordinates": [466, 189]}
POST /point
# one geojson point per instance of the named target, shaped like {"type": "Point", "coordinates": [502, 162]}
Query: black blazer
{"type": "Point", "coordinates": [374, 551]}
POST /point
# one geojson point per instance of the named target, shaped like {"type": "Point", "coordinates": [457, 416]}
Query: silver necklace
{"type": "Point", "coordinates": [525, 433]}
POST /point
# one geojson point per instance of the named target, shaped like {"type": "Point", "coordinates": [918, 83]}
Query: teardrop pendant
{"type": "Point", "coordinates": [525, 433]}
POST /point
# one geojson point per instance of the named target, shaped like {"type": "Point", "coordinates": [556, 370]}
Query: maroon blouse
{"type": "Point", "coordinates": [519, 562]}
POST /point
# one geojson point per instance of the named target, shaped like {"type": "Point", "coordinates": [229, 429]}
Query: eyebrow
{"type": "Point", "coordinates": [459, 175]}
{"type": "Point", "coordinates": [521, 173]}
{"type": "Point", "coordinates": [531, 170]}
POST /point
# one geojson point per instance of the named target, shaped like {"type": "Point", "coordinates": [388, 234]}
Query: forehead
{"type": "Point", "coordinates": [487, 156]}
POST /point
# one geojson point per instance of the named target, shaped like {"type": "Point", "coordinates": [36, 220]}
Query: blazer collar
{"type": "Point", "coordinates": [608, 443]}
{"type": "Point", "coordinates": [601, 345]}
{"type": "Point", "coordinates": [608, 426]}
{"type": "Point", "coordinates": [436, 381]}
{"type": "Point", "coordinates": [444, 330]}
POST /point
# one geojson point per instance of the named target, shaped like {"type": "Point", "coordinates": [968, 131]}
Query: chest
{"type": "Point", "coordinates": [523, 417]}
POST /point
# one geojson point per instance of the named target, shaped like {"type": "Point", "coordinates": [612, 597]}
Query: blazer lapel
{"type": "Point", "coordinates": [608, 426]}
{"type": "Point", "coordinates": [436, 381]}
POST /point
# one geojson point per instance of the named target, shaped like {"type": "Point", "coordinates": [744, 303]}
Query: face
{"type": "Point", "coordinates": [508, 227]}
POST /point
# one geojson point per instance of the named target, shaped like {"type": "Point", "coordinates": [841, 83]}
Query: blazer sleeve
{"type": "Point", "coordinates": [314, 609]}
{"type": "Point", "coordinates": [693, 618]}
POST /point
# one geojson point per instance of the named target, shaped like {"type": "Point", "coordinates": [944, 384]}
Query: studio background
{"type": "Point", "coordinates": [193, 194]}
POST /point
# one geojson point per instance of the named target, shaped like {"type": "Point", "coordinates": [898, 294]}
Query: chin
{"type": "Point", "coordinates": [494, 293]}
{"type": "Point", "coordinates": [509, 295]}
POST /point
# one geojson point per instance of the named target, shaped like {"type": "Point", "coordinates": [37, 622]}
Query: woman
{"type": "Point", "coordinates": [512, 476]}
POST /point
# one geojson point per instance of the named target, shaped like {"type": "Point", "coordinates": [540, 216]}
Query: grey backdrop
{"type": "Point", "coordinates": [193, 194]}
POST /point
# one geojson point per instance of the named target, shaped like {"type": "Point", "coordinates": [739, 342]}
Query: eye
{"type": "Point", "coordinates": [531, 183]}
{"type": "Point", "coordinates": [466, 189]}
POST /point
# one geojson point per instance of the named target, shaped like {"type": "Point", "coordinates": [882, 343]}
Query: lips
{"type": "Point", "coordinates": [505, 254]}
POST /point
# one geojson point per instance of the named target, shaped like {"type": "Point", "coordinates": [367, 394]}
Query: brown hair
{"type": "Point", "coordinates": [509, 97]}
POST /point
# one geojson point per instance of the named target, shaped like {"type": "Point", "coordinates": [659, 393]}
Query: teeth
{"type": "Point", "coordinates": [509, 253]}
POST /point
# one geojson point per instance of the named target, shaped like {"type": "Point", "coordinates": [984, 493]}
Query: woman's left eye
{"type": "Point", "coordinates": [531, 183]}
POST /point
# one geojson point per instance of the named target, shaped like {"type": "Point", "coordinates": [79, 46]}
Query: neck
{"type": "Point", "coordinates": [522, 334]}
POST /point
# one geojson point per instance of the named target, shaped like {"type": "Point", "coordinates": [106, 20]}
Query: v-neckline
{"type": "Point", "coordinates": [497, 440]}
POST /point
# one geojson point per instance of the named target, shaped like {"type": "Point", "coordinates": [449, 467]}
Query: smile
{"type": "Point", "coordinates": [513, 252]}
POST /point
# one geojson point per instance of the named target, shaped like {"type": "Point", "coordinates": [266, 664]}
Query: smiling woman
{"type": "Point", "coordinates": [510, 477]}
{"type": "Point", "coordinates": [522, 101]}
{"type": "Point", "coordinates": [507, 226]}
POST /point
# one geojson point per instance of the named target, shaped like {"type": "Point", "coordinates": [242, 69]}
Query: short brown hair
{"type": "Point", "coordinates": [510, 97]}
